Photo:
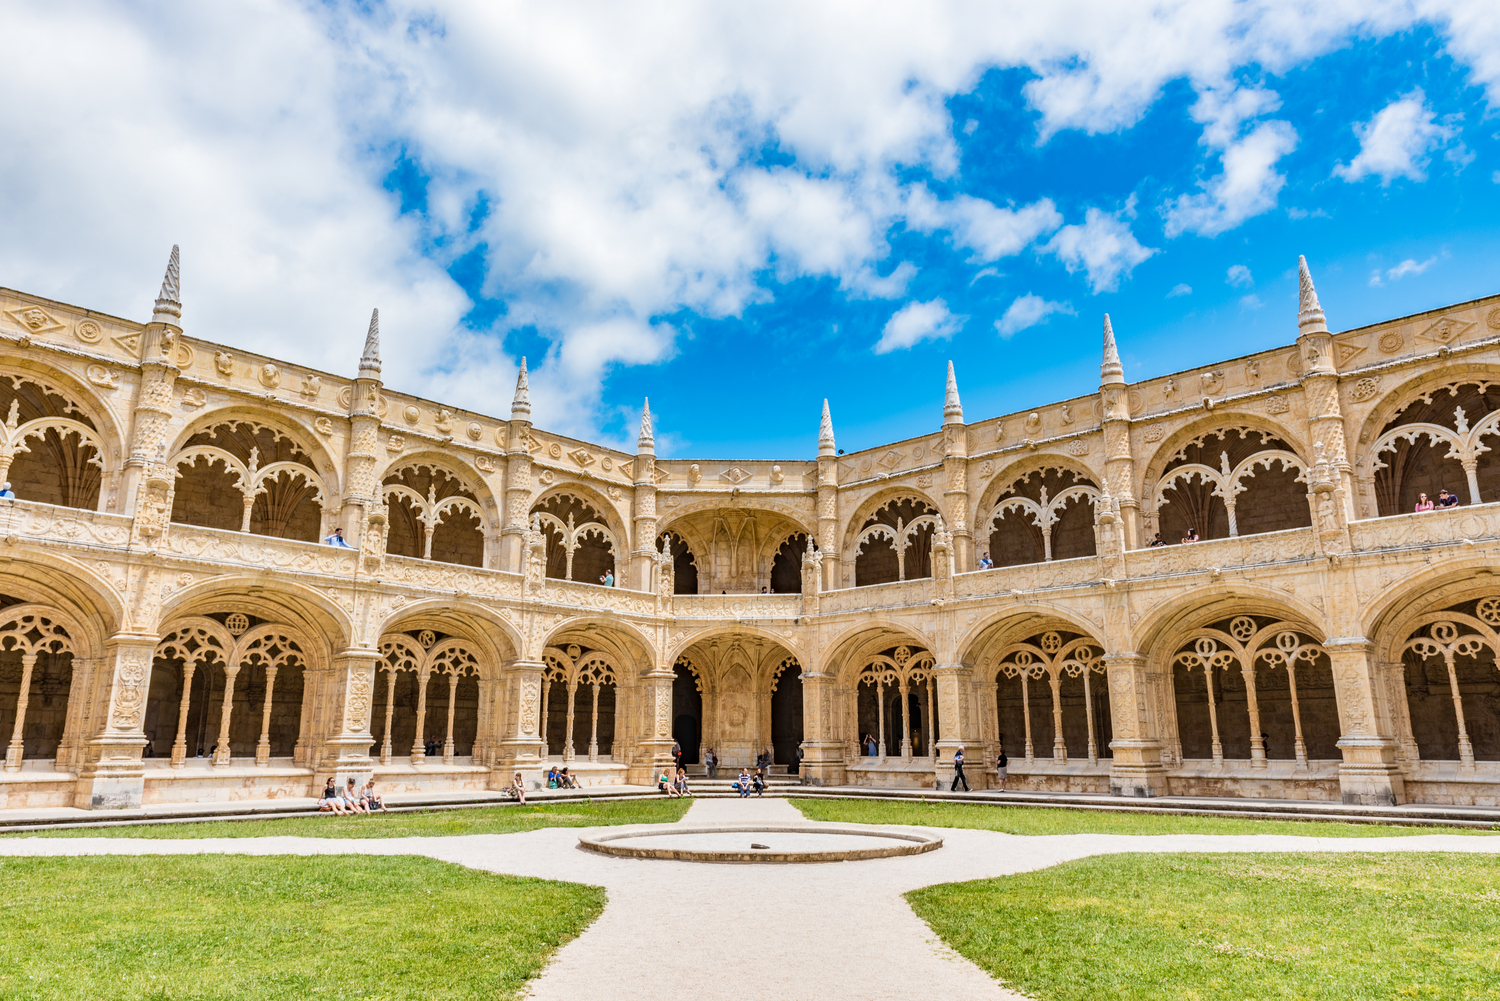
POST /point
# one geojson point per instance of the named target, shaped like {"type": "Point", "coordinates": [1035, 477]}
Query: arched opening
{"type": "Point", "coordinates": [241, 476]}
{"type": "Point", "coordinates": [580, 545]}
{"type": "Point", "coordinates": [786, 713]}
{"type": "Point", "coordinates": [1045, 514]}
{"type": "Point", "coordinates": [36, 681]}
{"type": "Point", "coordinates": [579, 702]}
{"type": "Point", "coordinates": [687, 711]}
{"type": "Point", "coordinates": [1435, 443]}
{"type": "Point", "coordinates": [1228, 482]}
{"type": "Point", "coordinates": [1254, 687]}
{"type": "Point", "coordinates": [684, 567]}
{"type": "Point", "coordinates": [61, 463]}
{"type": "Point", "coordinates": [1052, 699]}
{"type": "Point", "coordinates": [259, 665]}
{"type": "Point", "coordinates": [1452, 688]}
{"type": "Point", "coordinates": [434, 516]}
{"type": "Point", "coordinates": [895, 543]}
{"type": "Point", "coordinates": [426, 702]}
{"type": "Point", "coordinates": [786, 566]}
{"type": "Point", "coordinates": [894, 703]}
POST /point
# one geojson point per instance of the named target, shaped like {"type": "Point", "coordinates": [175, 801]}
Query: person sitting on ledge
{"type": "Point", "coordinates": [1424, 503]}
{"type": "Point", "coordinates": [352, 801]}
{"type": "Point", "coordinates": [330, 800]}
{"type": "Point", "coordinates": [1445, 499]}
{"type": "Point", "coordinates": [682, 783]}
{"type": "Point", "coordinates": [742, 784]}
{"type": "Point", "coordinates": [371, 800]}
{"type": "Point", "coordinates": [664, 784]}
{"type": "Point", "coordinates": [337, 539]}
{"type": "Point", "coordinates": [552, 777]}
{"type": "Point", "coordinates": [566, 781]}
{"type": "Point", "coordinates": [759, 783]}
{"type": "Point", "coordinates": [1158, 541]}
{"type": "Point", "coordinates": [6, 492]}
{"type": "Point", "coordinates": [517, 788]}
{"type": "Point", "coordinates": [1192, 536]}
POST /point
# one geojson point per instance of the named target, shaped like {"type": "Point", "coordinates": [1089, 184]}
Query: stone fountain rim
{"type": "Point", "coordinates": [910, 842]}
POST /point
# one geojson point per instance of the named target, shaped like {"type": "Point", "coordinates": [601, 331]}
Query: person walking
{"type": "Point", "coordinates": [1001, 764]}
{"type": "Point", "coordinates": [676, 755]}
{"type": "Point", "coordinates": [958, 771]}
{"type": "Point", "coordinates": [711, 762]}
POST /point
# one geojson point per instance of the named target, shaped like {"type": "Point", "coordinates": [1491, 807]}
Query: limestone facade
{"type": "Point", "coordinates": [173, 628]}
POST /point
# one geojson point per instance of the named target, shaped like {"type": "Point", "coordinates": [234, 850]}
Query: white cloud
{"type": "Point", "coordinates": [1247, 186]}
{"type": "Point", "coordinates": [1250, 302]}
{"type": "Point", "coordinates": [1397, 142]}
{"type": "Point", "coordinates": [916, 322]}
{"type": "Point", "coordinates": [1239, 276]}
{"type": "Point", "coordinates": [1495, 177]}
{"type": "Point", "coordinates": [1407, 267]}
{"type": "Point", "coordinates": [618, 155]}
{"type": "Point", "coordinates": [1181, 288]}
{"type": "Point", "coordinates": [1103, 246]}
{"type": "Point", "coordinates": [1028, 311]}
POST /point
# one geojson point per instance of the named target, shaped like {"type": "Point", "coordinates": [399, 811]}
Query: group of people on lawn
{"type": "Point", "coordinates": [352, 799]}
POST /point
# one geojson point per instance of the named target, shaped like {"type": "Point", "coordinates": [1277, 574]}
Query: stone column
{"type": "Point", "coordinates": [1320, 388]}
{"type": "Point", "coordinates": [518, 443]}
{"type": "Point", "coordinates": [521, 726]}
{"type": "Point", "coordinates": [153, 402]}
{"type": "Point", "coordinates": [956, 476]}
{"type": "Point", "coordinates": [345, 747]}
{"type": "Point", "coordinates": [655, 744]}
{"type": "Point", "coordinates": [1369, 774]}
{"type": "Point", "coordinates": [263, 746]}
{"type": "Point", "coordinates": [17, 749]}
{"type": "Point", "coordinates": [828, 503]}
{"type": "Point", "coordinates": [111, 775]}
{"type": "Point", "coordinates": [956, 723]}
{"type": "Point", "coordinates": [1136, 768]}
{"type": "Point", "coordinates": [823, 750]}
{"type": "Point", "coordinates": [643, 552]}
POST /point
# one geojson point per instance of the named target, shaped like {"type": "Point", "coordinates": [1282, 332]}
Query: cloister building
{"type": "Point", "coordinates": [174, 628]}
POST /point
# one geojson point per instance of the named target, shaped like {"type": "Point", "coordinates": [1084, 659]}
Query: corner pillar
{"type": "Point", "coordinates": [958, 725]}
{"type": "Point", "coordinates": [822, 750]}
{"type": "Point", "coordinates": [350, 687]}
{"type": "Point", "coordinates": [1136, 767]}
{"type": "Point", "coordinates": [654, 748]}
{"type": "Point", "coordinates": [111, 776]}
{"type": "Point", "coordinates": [1369, 774]}
{"type": "Point", "coordinates": [520, 723]}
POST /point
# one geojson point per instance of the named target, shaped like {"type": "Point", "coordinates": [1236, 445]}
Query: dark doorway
{"type": "Point", "coordinates": [687, 713]}
{"type": "Point", "coordinates": [786, 716]}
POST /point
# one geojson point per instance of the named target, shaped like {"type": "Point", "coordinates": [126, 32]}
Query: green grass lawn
{"type": "Point", "coordinates": [191, 927]}
{"type": "Point", "coordinates": [428, 823]}
{"type": "Point", "coordinates": [1045, 820]}
{"type": "Point", "coordinates": [1233, 927]}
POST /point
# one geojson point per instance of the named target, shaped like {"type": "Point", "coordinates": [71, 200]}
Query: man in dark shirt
{"type": "Point", "coordinates": [1445, 499]}
{"type": "Point", "coordinates": [958, 771]}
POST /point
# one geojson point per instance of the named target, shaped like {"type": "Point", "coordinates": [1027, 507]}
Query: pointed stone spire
{"type": "Point", "coordinates": [369, 362]}
{"type": "Point", "coordinates": [953, 410]}
{"type": "Point", "coordinates": [1111, 371]}
{"type": "Point", "coordinates": [169, 299]}
{"type": "Point", "coordinates": [1310, 316]}
{"type": "Point", "coordinates": [520, 407]}
{"type": "Point", "coordinates": [825, 433]}
{"type": "Point", "coordinates": [646, 442]}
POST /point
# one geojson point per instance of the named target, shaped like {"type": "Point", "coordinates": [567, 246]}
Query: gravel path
{"type": "Point", "coordinates": [750, 932]}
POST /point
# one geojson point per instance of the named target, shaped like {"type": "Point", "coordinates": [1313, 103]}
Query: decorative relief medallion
{"type": "Point", "coordinates": [109, 378]}
{"type": "Point", "coordinates": [311, 386]}
{"type": "Point", "coordinates": [395, 443]}
{"type": "Point", "coordinates": [411, 415]}
{"type": "Point", "coordinates": [924, 481]}
{"type": "Point", "coordinates": [1169, 390]}
{"type": "Point", "coordinates": [236, 623]}
{"type": "Point", "coordinates": [270, 376]}
{"type": "Point", "coordinates": [1277, 405]}
{"type": "Point", "coordinates": [88, 332]}
{"type": "Point", "coordinates": [130, 696]}
{"type": "Point", "coordinates": [1492, 318]}
{"type": "Point", "coordinates": [194, 398]}
{"type": "Point", "coordinates": [554, 450]}
{"type": "Point", "coordinates": [484, 464]}
{"type": "Point", "coordinates": [1391, 341]}
{"type": "Point", "coordinates": [474, 431]}
{"type": "Point", "coordinates": [36, 320]}
{"type": "Point", "coordinates": [1033, 422]}
{"type": "Point", "coordinates": [1155, 433]}
{"type": "Point", "coordinates": [581, 455]}
{"type": "Point", "coordinates": [615, 493]}
{"type": "Point", "coordinates": [1078, 447]}
{"type": "Point", "coordinates": [1294, 364]}
{"type": "Point", "coordinates": [530, 702]}
{"type": "Point", "coordinates": [443, 421]}
{"type": "Point", "coordinates": [735, 475]}
{"type": "Point", "coordinates": [224, 362]}
{"type": "Point", "coordinates": [1365, 389]}
{"type": "Point", "coordinates": [323, 426]}
{"type": "Point", "coordinates": [1211, 382]}
{"type": "Point", "coordinates": [1252, 373]}
{"type": "Point", "coordinates": [546, 477]}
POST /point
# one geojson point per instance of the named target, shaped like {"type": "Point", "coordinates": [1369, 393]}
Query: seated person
{"type": "Point", "coordinates": [1158, 541]}
{"type": "Point", "coordinates": [517, 788]}
{"type": "Point", "coordinates": [759, 783]}
{"type": "Point", "coordinates": [552, 777]}
{"type": "Point", "coordinates": [664, 784]}
{"type": "Point", "coordinates": [330, 802]}
{"type": "Point", "coordinates": [352, 801]}
{"type": "Point", "coordinates": [566, 781]}
{"type": "Point", "coordinates": [370, 798]}
{"type": "Point", "coordinates": [682, 783]}
{"type": "Point", "coordinates": [742, 784]}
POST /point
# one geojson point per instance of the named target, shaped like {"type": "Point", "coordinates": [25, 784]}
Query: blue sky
{"type": "Point", "coordinates": [738, 216]}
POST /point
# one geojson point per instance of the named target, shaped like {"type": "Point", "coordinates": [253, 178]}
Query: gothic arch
{"type": "Point", "coordinates": [613, 519]}
{"type": "Point", "coordinates": [326, 464]}
{"type": "Point", "coordinates": [92, 606]}
{"type": "Point", "coordinates": [883, 545]}
{"type": "Point", "coordinates": [581, 546]}
{"type": "Point", "coordinates": [866, 509]}
{"type": "Point", "coordinates": [872, 635]}
{"type": "Point", "coordinates": [1179, 616]}
{"type": "Point", "coordinates": [1010, 471]}
{"type": "Point", "coordinates": [473, 621]}
{"type": "Point", "coordinates": [632, 652]}
{"type": "Point", "coordinates": [58, 443]}
{"type": "Point", "coordinates": [449, 524]}
{"type": "Point", "coordinates": [1169, 446]}
{"type": "Point", "coordinates": [325, 626]}
{"type": "Point", "coordinates": [1033, 522]}
{"type": "Point", "coordinates": [736, 629]}
{"type": "Point", "coordinates": [1425, 429]}
{"type": "Point", "coordinates": [1007, 625]}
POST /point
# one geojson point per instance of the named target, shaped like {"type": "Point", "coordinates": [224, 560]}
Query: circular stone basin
{"type": "Point", "coordinates": [779, 843]}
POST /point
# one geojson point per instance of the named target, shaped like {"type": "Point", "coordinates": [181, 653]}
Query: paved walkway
{"type": "Point", "coordinates": [752, 932]}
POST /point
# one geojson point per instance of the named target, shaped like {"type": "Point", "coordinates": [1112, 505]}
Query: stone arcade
{"type": "Point", "coordinates": [172, 629]}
